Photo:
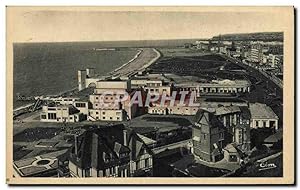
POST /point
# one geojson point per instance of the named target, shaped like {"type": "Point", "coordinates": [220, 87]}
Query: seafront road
{"type": "Point", "coordinates": [144, 59]}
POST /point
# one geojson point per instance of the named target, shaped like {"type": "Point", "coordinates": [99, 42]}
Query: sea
{"type": "Point", "coordinates": [51, 68]}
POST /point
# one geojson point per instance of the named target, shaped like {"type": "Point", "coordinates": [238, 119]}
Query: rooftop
{"type": "Point", "coordinates": [207, 118]}
{"type": "Point", "coordinates": [223, 110]}
{"type": "Point", "coordinates": [261, 111]}
{"type": "Point", "coordinates": [100, 147]}
{"type": "Point", "coordinates": [151, 123]}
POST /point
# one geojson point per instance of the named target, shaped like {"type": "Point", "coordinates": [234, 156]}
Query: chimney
{"type": "Point", "coordinates": [125, 137]}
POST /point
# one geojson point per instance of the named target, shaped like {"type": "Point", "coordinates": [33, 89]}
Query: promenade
{"type": "Point", "coordinates": [141, 61]}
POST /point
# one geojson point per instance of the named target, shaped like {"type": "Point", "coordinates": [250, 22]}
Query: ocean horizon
{"type": "Point", "coordinates": [51, 68]}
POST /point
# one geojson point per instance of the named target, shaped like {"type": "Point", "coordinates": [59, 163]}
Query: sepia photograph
{"type": "Point", "coordinates": [150, 95]}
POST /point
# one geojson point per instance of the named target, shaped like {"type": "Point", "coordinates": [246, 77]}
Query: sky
{"type": "Point", "coordinates": [58, 25]}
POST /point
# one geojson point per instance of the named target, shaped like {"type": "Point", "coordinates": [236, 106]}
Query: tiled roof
{"type": "Point", "coordinates": [103, 147]}
{"type": "Point", "coordinates": [262, 111]}
{"type": "Point", "coordinates": [204, 117]}
{"type": "Point", "coordinates": [223, 110]}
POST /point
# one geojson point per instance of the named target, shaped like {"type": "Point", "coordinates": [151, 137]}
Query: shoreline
{"type": "Point", "coordinates": [137, 55]}
{"type": "Point", "coordinates": [125, 64]}
{"type": "Point", "coordinates": [142, 60]}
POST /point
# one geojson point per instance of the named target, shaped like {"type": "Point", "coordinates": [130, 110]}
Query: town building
{"type": "Point", "coordinates": [109, 102]}
{"type": "Point", "coordinates": [262, 116]}
{"type": "Point", "coordinates": [61, 113]}
{"type": "Point", "coordinates": [225, 86]}
{"type": "Point", "coordinates": [86, 78]}
{"type": "Point", "coordinates": [155, 84]}
{"type": "Point", "coordinates": [236, 119]}
{"type": "Point", "coordinates": [256, 54]}
{"type": "Point", "coordinates": [208, 137]}
{"type": "Point", "coordinates": [232, 154]}
{"type": "Point", "coordinates": [111, 151]}
{"type": "Point", "coordinates": [173, 109]}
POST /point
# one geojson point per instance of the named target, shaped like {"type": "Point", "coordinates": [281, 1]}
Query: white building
{"type": "Point", "coordinates": [61, 113]}
{"type": "Point", "coordinates": [176, 109]}
{"type": "Point", "coordinates": [108, 103]}
{"type": "Point", "coordinates": [216, 86]}
{"type": "Point", "coordinates": [262, 116]}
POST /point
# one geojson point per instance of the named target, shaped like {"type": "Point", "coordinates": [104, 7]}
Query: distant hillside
{"type": "Point", "coordinates": [262, 36]}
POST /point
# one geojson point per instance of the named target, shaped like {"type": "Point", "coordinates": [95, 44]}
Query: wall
{"type": "Point", "coordinates": [106, 115]}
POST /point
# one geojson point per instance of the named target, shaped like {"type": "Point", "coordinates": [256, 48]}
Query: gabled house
{"type": "Point", "coordinates": [208, 137]}
{"type": "Point", "coordinates": [112, 151]}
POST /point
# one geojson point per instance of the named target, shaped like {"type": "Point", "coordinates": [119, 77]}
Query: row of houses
{"type": "Point", "coordinates": [261, 115]}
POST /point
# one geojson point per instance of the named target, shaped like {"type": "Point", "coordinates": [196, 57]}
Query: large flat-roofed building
{"type": "Point", "coordinates": [262, 116]}
{"type": "Point", "coordinates": [61, 113]}
{"type": "Point", "coordinates": [157, 108]}
{"type": "Point", "coordinates": [65, 109]}
{"type": "Point", "coordinates": [225, 86]}
{"type": "Point", "coordinates": [107, 115]}
{"type": "Point", "coordinates": [152, 83]}
{"type": "Point", "coordinates": [256, 54]}
{"type": "Point", "coordinates": [109, 102]}
{"type": "Point", "coordinates": [157, 87]}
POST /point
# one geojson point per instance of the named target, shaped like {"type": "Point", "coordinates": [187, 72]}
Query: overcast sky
{"type": "Point", "coordinates": [56, 25]}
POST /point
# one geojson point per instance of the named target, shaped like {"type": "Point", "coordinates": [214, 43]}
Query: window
{"type": "Point", "coordinates": [256, 123]}
{"type": "Point", "coordinates": [97, 98]}
{"type": "Point", "coordinates": [137, 164]}
{"type": "Point", "coordinates": [80, 105]}
{"type": "Point", "coordinates": [118, 118]}
{"type": "Point", "coordinates": [51, 115]}
{"type": "Point", "coordinates": [110, 118]}
{"type": "Point", "coordinates": [97, 112]}
{"type": "Point", "coordinates": [103, 117]}
{"type": "Point", "coordinates": [103, 113]}
{"type": "Point", "coordinates": [43, 116]}
{"type": "Point", "coordinates": [147, 162]}
{"type": "Point", "coordinates": [232, 158]}
{"type": "Point", "coordinates": [204, 136]}
{"type": "Point", "coordinates": [264, 124]}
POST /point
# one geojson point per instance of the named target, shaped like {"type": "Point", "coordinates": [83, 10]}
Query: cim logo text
{"type": "Point", "coordinates": [266, 166]}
